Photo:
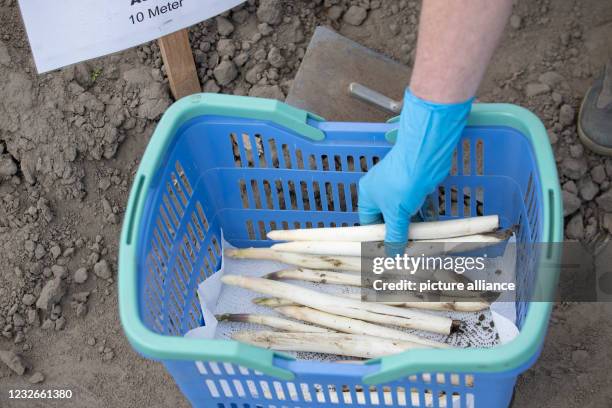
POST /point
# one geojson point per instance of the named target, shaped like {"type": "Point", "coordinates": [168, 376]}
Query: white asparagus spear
{"type": "Point", "coordinates": [461, 306]}
{"type": "Point", "coordinates": [425, 247]}
{"type": "Point", "coordinates": [350, 345]}
{"type": "Point", "coordinates": [369, 233]}
{"type": "Point", "coordinates": [337, 263]}
{"type": "Point", "coordinates": [309, 275]}
{"type": "Point", "coordinates": [271, 321]}
{"type": "Point", "coordinates": [353, 326]}
{"type": "Point", "coordinates": [422, 304]}
{"type": "Point", "coordinates": [370, 312]}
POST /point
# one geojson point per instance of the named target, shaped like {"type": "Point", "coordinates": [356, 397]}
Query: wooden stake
{"type": "Point", "coordinates": [180, 66]}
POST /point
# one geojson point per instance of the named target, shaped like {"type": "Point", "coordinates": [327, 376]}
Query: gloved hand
{"type": "Point", "coordinates": [396, 187]}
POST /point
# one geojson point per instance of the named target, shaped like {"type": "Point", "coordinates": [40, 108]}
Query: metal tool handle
{"type": "Point", "coordinates": [375, 98]}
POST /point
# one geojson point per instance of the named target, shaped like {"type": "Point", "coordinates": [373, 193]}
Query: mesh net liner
{"type": "Point", "coordinates": [479, 329]}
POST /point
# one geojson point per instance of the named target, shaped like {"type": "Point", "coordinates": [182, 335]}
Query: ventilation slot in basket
{"type": "Point", "coordinates": [424, 390]}
{"type": "Point", "coordinates": [181, 254]}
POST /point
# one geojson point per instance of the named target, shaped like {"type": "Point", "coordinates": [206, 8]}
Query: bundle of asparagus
{"type": "Point", "coordinates": [325, 323]}
{"type": "Point", "coordinates": [339, 249]}
{"type": "Point", "coordinates": [319, 322]}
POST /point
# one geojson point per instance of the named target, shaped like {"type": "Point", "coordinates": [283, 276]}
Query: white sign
{"type": "Point", "coordinates": [63, 32]}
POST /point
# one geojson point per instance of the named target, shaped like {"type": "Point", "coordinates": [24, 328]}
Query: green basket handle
{"type": "Point", "coordinates": [253, 358]}
{"type": "Point", "coordinates": [252, 108]}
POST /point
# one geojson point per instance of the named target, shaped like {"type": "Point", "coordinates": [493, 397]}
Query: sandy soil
{"type": "Point", "coordinates": [70, 142]}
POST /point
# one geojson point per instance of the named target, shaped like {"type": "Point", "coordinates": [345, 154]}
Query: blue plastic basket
{"type": "Point", "coordinates": [246, 166]}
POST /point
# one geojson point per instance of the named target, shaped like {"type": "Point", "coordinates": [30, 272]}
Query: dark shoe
{"type": "Point", "coordinates": [595, 119]}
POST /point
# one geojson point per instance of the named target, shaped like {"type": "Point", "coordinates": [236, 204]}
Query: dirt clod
{"type": "Point", "coordinates": [51, 294]}
{"type": "Point", "coordinates": [102, 270]}
{"type": "Point", "coordinates": [13, 361]}
{"type": "Point", "coordinates": [355, 15]}
{"type": "Point", "coordinates": [80, 275]}
{"type": "Point", "coordinates": [270, 12]}
{"type": "Point", "coordinates": [36, 378]}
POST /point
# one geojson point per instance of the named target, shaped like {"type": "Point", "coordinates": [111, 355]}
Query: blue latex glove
{"type": "Point", "coordinates": [419, 161]}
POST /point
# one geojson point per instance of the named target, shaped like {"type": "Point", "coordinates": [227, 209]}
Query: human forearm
{"type": "Point", "coordinates": [456, 41]}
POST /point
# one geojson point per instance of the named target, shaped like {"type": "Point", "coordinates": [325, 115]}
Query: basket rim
{"type": "Point", "coordinates": [501, 358]}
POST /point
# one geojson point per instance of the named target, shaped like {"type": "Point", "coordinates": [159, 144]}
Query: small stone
{"type": "Point", "coordinates": [102, 270]}
{"type": "Point", "coordinates": [355, 15]}
{"type": "Point", "coordinates": [7, 166]}
{"type": "Point", "coordinates": [516, 21]}
{"type": "Point", "coordinates": [588, 189]}
{"type": "Point", "coordinates": [80, 276]}
{"type": "Point", "coordinates": [211, 86]}
{"type": "Point", "coordinates": [571, 187]}
{"type": "Point", "coordinates": [56, 251]}
{"type": "Point", "coordinates": [576, 151]}
{"type": "Point", "coordinates": [334, 12]}
{"type": "Point", "coordinates": [48, 324]}
{"type": "Point", "coordinates": [59, 271]}
{"type": "Point", "coordinates": [91, 341]}
{"type": "Point", "coordinates": [270, 11]}
{"type": "Point", "coordinates": [575, 228]}
{"type": "Point", "coordinates": [13, 361]}
{"type": "Point", "coordinates": [254, 73]}
{"type": "Point", "coordinates": [275, 58]}
{"type": "Point", "coordinates": [226, 48]}
{"type": "Point", "coordinates": [36, 378]}
{"type": "Point", "coordinates": [264, 29]}
{"type": "Point", "coordinates": [224, 26]}
{"type": "Point", "coordinates": [604, 201]}
{"type": "Point", "coordinates": [104, 184]}
{"type": "Point", "coordinates": [598, 174]}
{"type": "Point", "coordinates": [241, 59]}
{"type": "Point", "coordinates": [536, 88]}
{"type": "Point", "coordinates": [571, 203]}
{"type": "Point", "coordinates": [566, 115]}
{"type": "Point", "coordinates": [551, 78]}
{"type": "Point", "coordinates": [108, 356]}
{"type": "Point", "coordinates": [573, 168]}
{"type": "Point", "coordinates": [557, 98]}
{"type": "Point", "coordinates": [267, 91]}
{"type": "Point", "coordinates": [225, 72]}
{"type": "Point", "coordinates": [39, 252]}
{"type": "Point", "coordinates": [60, 323]}
{"type": "Point", "coordinates": [51, 294]}
{"type": "Point", "coordinates": [28, 299]}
